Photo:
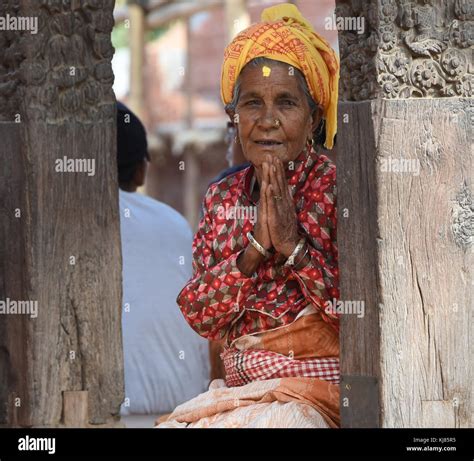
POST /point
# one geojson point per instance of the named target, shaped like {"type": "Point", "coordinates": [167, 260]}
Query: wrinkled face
{"type": "Point", "coordinates": [273, 113]}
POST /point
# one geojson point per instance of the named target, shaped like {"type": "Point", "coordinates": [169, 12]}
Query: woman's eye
{"type": "Point", "coordinates": [287, 102]}
{"type": "Point", "coordinates": [252, 102]}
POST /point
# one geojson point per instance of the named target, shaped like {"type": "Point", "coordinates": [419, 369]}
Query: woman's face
{"type": "Point", "coordinates": [273, 114]}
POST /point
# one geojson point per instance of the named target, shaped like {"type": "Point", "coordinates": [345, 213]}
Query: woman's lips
{"type": "Point", "coordinates": [268, 143]}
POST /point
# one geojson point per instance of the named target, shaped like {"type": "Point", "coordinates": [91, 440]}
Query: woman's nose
{"type": "Point", "coordinates": [267, 118]}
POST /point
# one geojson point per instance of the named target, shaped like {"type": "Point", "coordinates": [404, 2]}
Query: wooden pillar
{"type": "Point", "coordinates": [406, 214]}
{"type": "Point", "coordinates": [137, 53]}
{"type": "Point", "coordinates": [191, 169]}
{"type": "Point", "coordinates": [190, 196]}
{"type": "Point", "coordinates": [60, 259]}
{"type": "Point", "coordinates": [237, 17]}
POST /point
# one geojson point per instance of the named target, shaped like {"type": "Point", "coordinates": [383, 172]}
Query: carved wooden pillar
{"type": "Point", "coordinates": [406, 212]}
{"type": "Point", "coordinates": [59, 227]}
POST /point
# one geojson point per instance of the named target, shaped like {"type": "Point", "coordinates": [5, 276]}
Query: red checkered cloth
{"type": "Point", "coordinates": [243, 367]}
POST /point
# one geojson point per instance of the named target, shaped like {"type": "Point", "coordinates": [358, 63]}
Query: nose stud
{"type": "Point", "coordinates": [277, 122]}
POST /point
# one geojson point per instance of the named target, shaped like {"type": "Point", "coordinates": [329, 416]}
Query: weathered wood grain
{"type": "Point", "coordinates": [75, 342]}
{"type": "Point", "coordinates": [406, 249]}
{"type": "Point", "coordinates": [63, 251]}
{"type": "Point", "coordinates": [357, 230]}
{"type": "Point", "coordinates": [405, 181]}
{"type": "Point", "coordinates": [75, 408]}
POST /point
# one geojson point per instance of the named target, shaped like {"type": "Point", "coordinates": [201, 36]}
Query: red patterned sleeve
{"type": "Point", "coordinates": [212, 299]}
{"type": "Point", "coordinates": [319, 279]}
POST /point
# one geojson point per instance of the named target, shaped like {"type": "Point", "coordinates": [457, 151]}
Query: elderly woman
{"type": "Point", "coordinates": [265, 287]}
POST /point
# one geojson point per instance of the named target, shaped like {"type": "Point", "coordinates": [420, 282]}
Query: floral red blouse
{"type": "Point", "coordinates": [222, 302]}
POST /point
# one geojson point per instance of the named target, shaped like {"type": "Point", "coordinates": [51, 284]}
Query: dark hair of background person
{"type": "Point", "coordinates": [132, 147]}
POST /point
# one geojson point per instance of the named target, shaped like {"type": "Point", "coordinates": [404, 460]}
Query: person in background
{"type": "Point", "coordinates": [166, 362]}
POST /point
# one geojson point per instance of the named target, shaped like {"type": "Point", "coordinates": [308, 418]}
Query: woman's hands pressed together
{"type": "Point", "coordinates": [261, 231]}
{"type": "Point", "coordinates": [281, 214]}
{"type": "Point", "coordinates": [276, 225]}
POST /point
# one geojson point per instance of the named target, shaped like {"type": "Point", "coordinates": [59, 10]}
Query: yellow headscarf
{"type": "Point", "coordinates": [285, 35]}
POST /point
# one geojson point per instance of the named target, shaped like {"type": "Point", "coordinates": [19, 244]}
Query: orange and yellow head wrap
{"type": "Point", "coordinates": [285, 35]}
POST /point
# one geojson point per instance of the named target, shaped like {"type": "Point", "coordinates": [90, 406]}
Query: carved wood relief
{"type": "Point", "coordinates": [63, 72]}
{"type": "Point", "coordinates": [415, 48]}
